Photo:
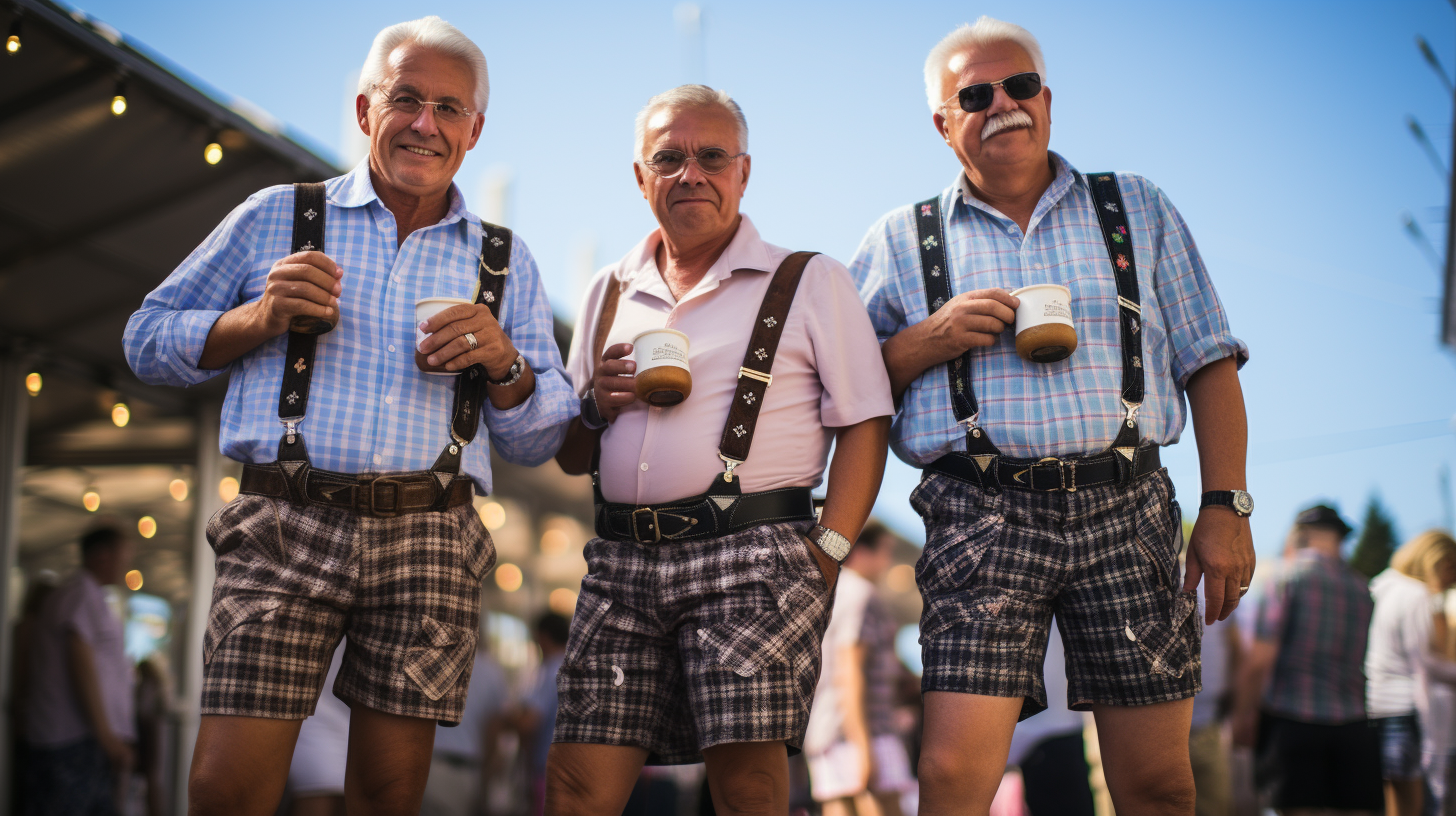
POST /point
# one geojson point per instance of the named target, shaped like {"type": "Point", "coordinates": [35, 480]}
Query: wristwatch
{"type": "Point", "coordinates": [1238, 501]}
{"type": "Point", "coordinates": [591, 416]}
{"type": "Point", "coordinates": [512, 374]}
{"type": "Point", "coordinates": [833, 544]}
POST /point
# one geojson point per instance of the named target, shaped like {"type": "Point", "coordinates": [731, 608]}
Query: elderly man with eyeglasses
{"type": "Point", "coordinates": [697, 633]}
{"type": "Point", "coordinates": [1043, 493]}
{"type": "Point", "coordinates": [306, 296]}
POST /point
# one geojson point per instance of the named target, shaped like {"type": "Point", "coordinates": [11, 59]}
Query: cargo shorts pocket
{"type": "Point", "coordinates": [1168, 639]}
{"type": "Point", "coordinates": [248, 521]}
{"type": "Point", "coordinates": [955, 548]}
{"type": "Point", "coordinates": [437, 655]}
{"type": "Point", "coordinates": [477, 547]}
{"type": "Point", "coordinates": [230, 613]}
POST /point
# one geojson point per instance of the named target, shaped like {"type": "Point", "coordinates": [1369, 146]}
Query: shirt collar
{"type": "Point", "coordinates": [356, 189]}
{"type": "Point", "coordinates": [1065, 178]}
{"type": "Point", "coordinates": [745, 251]}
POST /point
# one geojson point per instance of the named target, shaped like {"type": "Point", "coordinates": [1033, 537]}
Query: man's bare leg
{"type": "Point", "coordinates": [590, 780]}
{"type": "Point", "coordinates": [749, 778]}
{"type": "Point", "coordinates": [240, 765]}
{"type": "Point", "coordinates": [389, 761]}
{"type": "Point", "coordinates": [963, 752]}
{"type": "Point", "coordinates": [1145, 757]}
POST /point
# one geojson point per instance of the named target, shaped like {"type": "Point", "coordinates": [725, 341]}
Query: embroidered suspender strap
{"type": "Point", "coordinates": [936, 274]}
{"type": "Point", "coordinates": [308, 234]}
{"type": "Point", "coordinates": [605, 320]}
{"type": "Point", "coordinates": [1107, 199]}
{"type": "Point", "coordinates": [470, 385]}
{"type": "Point", "coordinates": [754, 376]}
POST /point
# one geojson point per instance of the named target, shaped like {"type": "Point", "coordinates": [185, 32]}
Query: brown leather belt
{"type": "Point", "coordinates": [382, 495]}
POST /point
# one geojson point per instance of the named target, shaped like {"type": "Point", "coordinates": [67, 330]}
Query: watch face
{"type": "Point", "coordinates": [1243, 502]}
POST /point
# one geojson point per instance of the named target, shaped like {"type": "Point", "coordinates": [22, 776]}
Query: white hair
{"type": "Point", "coordinates": [690, 96]}
{"type": "Point", "coordinates": [435, 34]}
{"type": "Point", "coordinates": [986, 30]}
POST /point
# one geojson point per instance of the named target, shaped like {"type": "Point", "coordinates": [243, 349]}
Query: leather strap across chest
{"type": "Point", "coordinates": [309, 209]}
{"type": "Point", "coordinates": [989, 461]}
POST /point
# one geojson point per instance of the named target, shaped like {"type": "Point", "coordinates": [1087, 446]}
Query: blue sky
{"type": "Point", "coordinates": [1278, 129]}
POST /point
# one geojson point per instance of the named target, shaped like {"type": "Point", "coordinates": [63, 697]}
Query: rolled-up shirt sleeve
{"type": "Point", "coordinates": [531, 433]}
{"type": "Point", "coordinates": [872, 273]}
{"type": "Point", "coordinates": [165, 337]}
{"type": "Point", "coordinates": [846, 350]}
{"type": "Point", "coordinates": [1198, 328]}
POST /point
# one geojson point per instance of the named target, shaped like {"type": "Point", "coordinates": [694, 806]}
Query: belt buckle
{"type": "Point", "coordinates": [371, 502]}
{"type": "Point", "coordinates": [1061, 474]}
{"type": "Point", "coordinates": [655, 526]}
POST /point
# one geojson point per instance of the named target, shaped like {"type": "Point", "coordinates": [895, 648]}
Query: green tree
{"type": "Point", "coordinates": [1376, 542]}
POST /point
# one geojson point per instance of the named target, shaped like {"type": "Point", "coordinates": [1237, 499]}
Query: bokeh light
{"type": "Point", "coordinates": [227, 489]}
{"type": "Point", "coordinates": [147, 526]}
{"type": "Point", "coordinates": [120, 415]}
{"type": "Point", "coordinates": [492, 515]}
{"type": "Point", "coordinates": [555, 542]}
{"type": "Point", "coordinates": [33, 383]}
{"type": "Point", "coordinates": [900, 578]}
{"type": "Point", "coordinates": [178, 489]}
{"type": "Point", "coordinates": [508, 577]}
{"type": "Point", "coordinates": [562, 601]}
{"type": "Point", "coordinates": [134, 580]}
{"type": "Point", "coordinates": [91, 500]}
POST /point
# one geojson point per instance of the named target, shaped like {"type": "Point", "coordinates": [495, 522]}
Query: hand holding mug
{"type": "Point", "coordinates": [970, 320]}
{"type": "Point", "coordinates": [443, 348]}
{"type": "Point", "coordinates": [613, 382]}
{"type": "Point", "coordinates": [302, 288]}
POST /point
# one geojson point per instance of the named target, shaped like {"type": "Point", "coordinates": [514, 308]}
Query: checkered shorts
{"type": "Point", "coordinates": [1104, 560]}
{"type": "Point", "coordinates": [293, 580]}
{"type": "Point", "coordinates": [677, 647]}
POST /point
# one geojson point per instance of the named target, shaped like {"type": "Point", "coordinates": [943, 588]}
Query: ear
{"type": "Point", "coordinates": [361, 112]}
{"type": "Point", "coordinates": [475, 131]}
{"type": "Point", "coordinates": [747, 167]}
{"type": "Point", "coordinates": [1046, 98]}
{"type": "Point", "coordinates": [940, 127]}
{"type": "Point", "coordinates": [641, 179]}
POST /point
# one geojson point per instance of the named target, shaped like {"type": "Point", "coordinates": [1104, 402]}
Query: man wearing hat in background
{"type": "Point", "coordinates": [1303, 690]}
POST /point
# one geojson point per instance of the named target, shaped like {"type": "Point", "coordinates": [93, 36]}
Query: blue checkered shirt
{"type": "Point", "coordinates": [369, 408]}
{"type": "Point", "coordinates": [1072, 407]}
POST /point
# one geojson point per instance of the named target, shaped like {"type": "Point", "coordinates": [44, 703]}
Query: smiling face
{"type": "Point", "coordinates": [1010, 132]}
{"type": "Point", "coordinates": [418, 155]}
{"type": "Point", "coordinates": [693, 207]}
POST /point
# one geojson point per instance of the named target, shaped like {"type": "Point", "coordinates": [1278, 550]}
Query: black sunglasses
{"type": "Point", "coordinates": [975, 98]}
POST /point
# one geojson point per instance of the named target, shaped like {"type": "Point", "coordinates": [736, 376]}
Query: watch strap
{"type": "Point", "coordinates": [832, 543]}
{"type": "Point", "coordinates": [591, 415]}
{"type": "Point", "coordinates": [513, 374]}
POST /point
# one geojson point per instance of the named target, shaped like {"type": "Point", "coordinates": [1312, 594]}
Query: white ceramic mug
{"type": "Point", "coordinates": [663, 377]}
{"type": "Point", "coordinates": [426, 308]}
{"type": "Point", "coordinates": [1044, 329]}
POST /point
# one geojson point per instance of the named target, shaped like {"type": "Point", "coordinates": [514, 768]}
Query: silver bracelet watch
{"type": "Point", "coordinates": [513, 374]}
{"type": "Point", "coordinates": [833, 544]}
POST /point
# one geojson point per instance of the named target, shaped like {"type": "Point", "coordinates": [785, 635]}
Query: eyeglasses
{"type": "Point", "coordinates": [444, 111]}
{"type": "Point", "coordinates": [976, 98]}
{"type": "Point", "coordinates": [711, 160]}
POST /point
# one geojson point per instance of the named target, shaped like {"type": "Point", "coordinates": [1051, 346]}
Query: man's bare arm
{"type": "Point", "coordinates": [1221, 549]}
{"type": "Point", "coordinates": [970, 320]}
{"type": "Point", "coordinates": [1254, 676]}
{"type": "Point", "coordinates": [855, 472]}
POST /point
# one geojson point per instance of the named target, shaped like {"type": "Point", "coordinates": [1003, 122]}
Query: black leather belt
{"type": "Point", "coordinates": [1050, 474]}
{"type": "Point", "coordinates": [702, 516]}
{"type": "Point", "coordinates": [379, 495]}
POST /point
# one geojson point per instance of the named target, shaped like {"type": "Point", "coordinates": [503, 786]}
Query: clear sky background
{"type": "Point", "coordinates": [1278, 129]}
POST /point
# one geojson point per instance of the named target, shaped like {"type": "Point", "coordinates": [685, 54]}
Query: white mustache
{"type": "Point", "coordinates": [1005, 121]}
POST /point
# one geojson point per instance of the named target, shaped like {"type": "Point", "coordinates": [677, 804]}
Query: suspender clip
{"type": "Point", "coordinates": [1132, 410]}
{"type": "Point", "coordinates": [766, 379]}
{"type": "Point", "coordinates": [731, 463]}
{"type": "Point", "coordinates": [291, 426]}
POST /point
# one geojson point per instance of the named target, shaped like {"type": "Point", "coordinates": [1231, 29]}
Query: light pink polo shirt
{"type": "Point", "coordinates": [827, 373]}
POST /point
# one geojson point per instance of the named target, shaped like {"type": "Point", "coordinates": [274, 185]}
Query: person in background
{"type": "Point", "coordinates": [1207, 750]}
{"type": "Point", "coordinates": [153, 696]}
{"type": "Point", "coordinates": [78, 719]}
{"type": "Point", "coordinates": [537, 718]}
{"type": "Point", "coordinates": [316, 774]}
{"type": "Point", "coordinates": [1405, 664]}
{"type": "Point", "coordinates": [465, 755]}
{"type": "Point", "coordinates": [22, 636]}
{"type": "Point", "coordinates": [1303, 688]}
{"type": "Point", "coordinates": [857, 763]}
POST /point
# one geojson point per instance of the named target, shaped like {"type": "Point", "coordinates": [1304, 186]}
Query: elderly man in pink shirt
{"type": "Point", "coordinates": [697, 633]}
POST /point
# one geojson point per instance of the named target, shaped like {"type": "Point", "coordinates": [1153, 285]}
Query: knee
{"type": "Point", "coordinates": [571, 788]}
{"type": "Point", "coordinates": [393, 791]}
{"type": "Point", "coordinates": [223, 793]}
{"type": "Point", "coordinates": [941, 769]}
{"type": "Point", "coordinates": [1169, 793]}
{"type": "Point", "coordinates": [748, 793]}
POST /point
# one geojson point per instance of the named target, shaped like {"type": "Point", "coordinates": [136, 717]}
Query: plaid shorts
{"type": "Point", "coordinates": [293, 580]}
{"type": "Point", "coordinates": [677, 647]}
{"type": "Point", "coordinates": [1104, 560]}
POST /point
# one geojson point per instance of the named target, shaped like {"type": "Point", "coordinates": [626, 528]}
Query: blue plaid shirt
{"type": "Point", "coordinates": [1072, 407]}
{"type": "Point", "coordinates": [369, 409]}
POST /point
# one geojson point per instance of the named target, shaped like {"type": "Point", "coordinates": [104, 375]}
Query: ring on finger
{"type": "Point", "coordinates": [1243, 590]}
{"type": "Point", "coordinates": [470, 338]}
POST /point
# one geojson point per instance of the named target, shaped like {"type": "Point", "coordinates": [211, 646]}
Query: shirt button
{"type": "Point", "coordinates": [644, 465]}
{"type": "Point", "coordinates": [378, 460]}
{"type": "Point", "coordinates": [391, 347]}
{"type": "Point", "coordinates": [389, 400]}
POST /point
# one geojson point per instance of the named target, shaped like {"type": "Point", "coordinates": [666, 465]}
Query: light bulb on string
{"type": "Point", "coordinates": [118, 102]}
{"type": "Point", "coordinates": [12, 42]}
{"type": "Point", "coordinates": [91, 500]}
{"type": "Point", "coordinates": [120, 415]}
{"type": "Point", "coordinates": [33, 383]}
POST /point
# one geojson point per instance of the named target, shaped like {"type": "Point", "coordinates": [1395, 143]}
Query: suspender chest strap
{"type": "Point", "coordinates": [723, 508]}
{"type": "Point", "coordinates": [982, 463]}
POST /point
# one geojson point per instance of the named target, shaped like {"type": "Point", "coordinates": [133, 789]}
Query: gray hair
{"type": "Point", "coordinates": [690, 96]}
{"type": "Point", "coordinates": [435, 34]}
{"type": "Point", "coordinates": [986, 30]}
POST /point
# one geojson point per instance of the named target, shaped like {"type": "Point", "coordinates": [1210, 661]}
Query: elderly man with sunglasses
{"type": "Point", "coordinates": [697, 632]}
{"type": "Point", "coordinates": [306, 295]}
{"type": "Point", "coordinates": [1043, 493]}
